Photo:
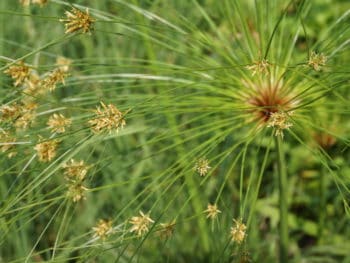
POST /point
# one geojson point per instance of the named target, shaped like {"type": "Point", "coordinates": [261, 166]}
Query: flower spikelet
{"type": "Point", "coordinates": [261, 67]}
{"type": "Point", "coordinates": [75, 170]}
{"type": "Point", "coordinates": [316, 61]}
{"type": "Point", "coordinates": [279, 120]}
{"type": "Point", "coordinates": [46, 150]}
{"type": "Point", "coordinates": [202, 166]}
{"type": "Point", "coordinates": [77, 20]}
{"type": "Point", "coordinates": [58, 123]}
{"type": "Point", "coordinates": [19, 72]}
{"type": "Point", "coordinates": [167, 229]}
{"type": "Point", "coordinates": [102, 229]}
{"type": "Point", "coordinates": [108, 118]}
{"type": "Point", "coordinates": [238, 231]}
{"type": "Point", "coordinates": [140, 224]}
{"type": "Point", "coordinates": [7, 143]}
{"type": "Point", "coordinates": [212, 211]}
{"type": "Point", "coordinates": [63, 63]}
{"type": "Point", "coordinates": [55, 77]}
{"type": "Point", "coordinates": [76, 191]}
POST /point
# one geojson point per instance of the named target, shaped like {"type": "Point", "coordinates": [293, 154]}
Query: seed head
{"type": "Point", "coordinates": [58, 123]}
{"type": "Point", "coordinates": [167, 229]}
{"type": "Point", "coordinates": [102, 229]}
{"type": "Point", "coordinates": [140, 224]}
{"type": "Point", "coordinates": [75, 170]}
{"type": "Point", "coordinates": [19, 72]}
{"type": "Point", "coordinates": [261, 67]}
{"type": "Point", "coordinates": [107, 118]}
{"type": "Point", "coordinates": [76, 191]}
{"type": "Point", "coordinates": [63, 63]}
{"type": "Point", "coordinates": [46, 150]}
{"type": "Point", "coordinates": [238, 231]}
{"type": "Point", "coordinates": [55, 77]}
{"type": "Point", "coordinates": [7, 143]}
{"type": "Point", "coordinates": [40, 2]}
{"type": "Point", "coordinates": [212, 211]}
{"type": "Point", "coordinates": [202, 166]}
{"type": "Point", "coordinates": [77, 20]}
{"type": "Point", "coordinates": [316, 61]}
{"type": "Point", "coordinates": [279, 120]}
{"type": "Point", "coordinates": [10, 111]}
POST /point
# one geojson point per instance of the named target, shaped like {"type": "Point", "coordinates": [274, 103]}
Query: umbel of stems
{"type": "Point", "coordinates": [283, 204]}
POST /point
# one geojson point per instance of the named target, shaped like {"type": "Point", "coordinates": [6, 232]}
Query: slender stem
{"type": "Point", "coordinates": [322, 207]}
{"type": "Point", "coordinates": [283, 205]}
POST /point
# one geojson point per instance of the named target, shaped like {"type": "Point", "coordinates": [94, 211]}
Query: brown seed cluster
{"type": "Point", "coordinates": [78, 20]}
{"type": "Point", "coordinates": [18, 72]}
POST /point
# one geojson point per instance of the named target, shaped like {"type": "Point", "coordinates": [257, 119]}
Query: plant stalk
{"type": "Point", "coordinates": [283, 204]}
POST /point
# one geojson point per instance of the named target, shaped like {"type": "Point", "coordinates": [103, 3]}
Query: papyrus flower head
{"type": "Point", "coordinates": [280, 121]}
{"type": "Point", "coordinates": [75, 170]}
{"type": "Point", "coordinates": [212, 211]}
{"type": "Point", "coordinates": [102, 229]}
{"type": "Point", "coordinates": [108, 118]}
{"type": "Point", "coordinates": [58, 123]}
{"type": "Point", "coordinates": [202, 166]}
{"type": "Point", "coordinates": [78, 20]}
{"type": "Point", "coordinates": [18, 72]}
{"type": "Point", "coordinates": [46, 150]}
{"type": "Point", "coordinates": [316, 61]}
{"type": "Point", "coordinates": [238, 231]}
{"type": "Point", "coordinates": [140, 224]}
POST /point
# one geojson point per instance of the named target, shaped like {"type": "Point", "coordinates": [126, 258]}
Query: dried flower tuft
{"type": "Point", "coordinates": [279, 120]}
{"type": "Point", "coordinates": [58, 123]}
{"type": "Point", "coordinates": [7, 143]}
{"type": "Point", "coordinates": [261, 67]}
{"type": "Point", "coordinates": [202, 166]}
{"type": "Point", "coordinates": [212, 211]}
{"type": "Point", "coordinates": [19, 72]}
{"type": "Point", "coordinates": [63, 63]}
{"type": "Point", "coordinates": [167, 229]}
{"type": "Point", "coordinates": [316, 61]}
{"type": "Point", "coordinates": [75, 170]}
{"type": "Point", "coordinates": [140, 224]}
{"type": "Point", "coordinates": [108, 118]}
{"type": "Point", "coordinates": [77, 20]}
{"type": "Point", "coordinates": [76, 191]}
{"type": "Point", "coordinates": [55, 77]}
{"type": "Point", "coordinates": [102, 229]}
{"type": "Point", "coordinates": [46, 150]}
{"type": "Point", "coordinates": [238, 231]}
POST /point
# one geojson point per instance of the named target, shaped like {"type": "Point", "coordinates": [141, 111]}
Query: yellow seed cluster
{"type": "Point", "coordinates": [261, 67]}
{"type": "Point", "coordinates": [212, 211]}
{"type": "Point", "coordinates": [280, 121]}
{"type": "Point", "coordinates": [316, 61]}
{"type": "Point", "coordinates": [202, 166]}
{"type": "Point", "coordinates": [102, 229]}
{"type": "Point", "coordinates": [75, 173]}
{"type": "Point", "coordinates": [108, 118]}
{"type": "Point", "coordinates": [55, 77]}
{"type": "Point", "coordinates": [140, 224]}
{"type": "Point", "coordinates": [19, 72]}
{"type": "Point", "coordinates": [46, 150]}
{"type": "Point", "coordinates": [58, 123]}
{"type": "Point", "coordinates": [78, 20]}
{"type": "Point", "coordinates": [238, 231]}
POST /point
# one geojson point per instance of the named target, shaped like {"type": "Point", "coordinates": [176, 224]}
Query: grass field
{"type": "Point", "coordinates": [175, 131]}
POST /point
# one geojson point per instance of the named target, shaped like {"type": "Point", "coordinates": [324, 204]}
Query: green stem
{"type": "Point", "coordinates": [283, 205]}
{"type": "Point", "coordinates": [322, 207]}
